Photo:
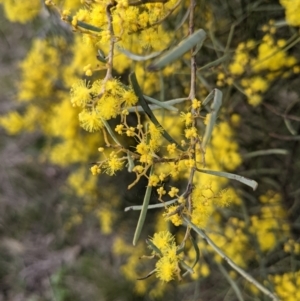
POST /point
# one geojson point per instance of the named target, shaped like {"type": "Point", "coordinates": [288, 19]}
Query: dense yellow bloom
{"type": "Point", "coordinates": [119, 129]}
{"type": "Point", "coordinates": [80, 94]}
{"type": "Point", "coordinates": [233, 240]}
{"type": "Point", "coordinates": [95, 170]}
{"type": "Point", "coordinates": [170, 215]}
{"type": "Point", "coordinates": [287, 286]}
{"type": "Point", "coordinates": [142, 148]}
{"type": "Point", "coordinates": [12, 122]}
{"type": "Point", "coordinates": [241, 58]}
{"type": "Point", "coordinates": [90, 120]}
{"type": "Point", "coordinates": [292, 11]}
{"type": "Point", "coordinates": [271, 57]}
{"type": "Point", "coordinates": [166, 269]}
{"type": "Point", "coordinates": [196, 104]}
{"type": "Point", "coordinates": [171, 148]}
{"type": "Point", "coordinates": [173, 192]}
{"type": "Point", "coordinates": [129, 98]}
{"type": "Point", "coordinates": [187, 118]}
{"type": "Point", "coordinates": [161, 191]}
{"type": "Point", "coordinates": [163, 240]}
{"type": "Point", "coordinates": [21, 11]}
{"type": "Point", "coordinates": [108, 106]}
{"type": "Point", "coordinates": [224, 147]}
{"type": "Point", "coordinates": [155, 134]}
{"type": "Point", "coordinates": [113, 164]}
{"type": "Point", "coordinates": [63, 120]}
{"type": "Point", "coordinates": [191, 133]}
{"type": "Point", "coordinates": [138, 169]}
{"type": "Point", "coordinates": [39, 71]}
{"type": "Point", "coordinates": [153, 180]}
{"type": "Point", "coordinates": [271, 225]}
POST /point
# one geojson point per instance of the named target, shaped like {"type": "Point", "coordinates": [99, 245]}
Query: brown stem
{"type": "Point", "coordinates": [193, 61]}
{"type": "Point", "coordinates": [112, 40]}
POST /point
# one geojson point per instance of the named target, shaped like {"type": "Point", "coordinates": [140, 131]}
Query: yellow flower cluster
{"type": "Point", "coordinates": [271, 224]}
{"type": "Point", "coordinates": [100, 101]}
{"type": "Point", "coordinates": [167, 265]}
{"type": "Point", "coordinates": [287, 286]}
{"type": "Point", "coordinates": [21, 11]}
{"type": "Point", "coordinates": [39, 71]}
{"type": "Point", "coordinates": [233, 240]}
{"type": "Point", "coordinates": [205, 200]}
{"type": "Point", "coordinates": [251, 60]}
{"type": "Point", "coordinates": [292, 11]}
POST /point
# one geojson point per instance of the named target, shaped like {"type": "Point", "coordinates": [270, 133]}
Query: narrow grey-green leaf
{"type": "Point", "coordinates": [130, 162]}
{"type": "Point", "coordinates": [153, 206]}
{"type": "Point", "coordinates": [186, 267]}
{"type": "Point", "coordinates": [110, 131]}
{"type": "Point", "coordinates": [197, 251]}
{"type": "Point", "coordinates": [266, 152]}
{"type": "Point", "coordinates": [147, 110]}
{"type": "Point", "coordinates": [153, 247]}
{"type": "Point", "coordinates": [101, 57]}
{"type": "Point", "coordinates": [84, 25]}
{"type": "Point", "coordinates": [287, 122]}
{"type": "Point", "coordinates": [136, 57]}
{"type": "Point", "coordinates": [143, 212]}
{"type": "Point", "coordinates": [251, 183]}
{"type": "Point", "coordinates": [197, 37]}
{"type": "Point", "coordinates": [214, 63]}
{"type": "Point", "coordinates": [148, 275]}
{"type": "Point", "coordinates": [196, 248]}
{"type": "Point", "coordinates": [162, 104]}
{"type": "Point", "coordinates": [215, 106]}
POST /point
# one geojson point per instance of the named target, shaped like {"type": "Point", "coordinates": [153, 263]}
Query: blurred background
{"type": "Point", "coordinates": [64, 233]}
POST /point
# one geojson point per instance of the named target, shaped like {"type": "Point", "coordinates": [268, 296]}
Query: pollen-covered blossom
{"type": "Point", "coordinates": [130, 132]}
{"type": "Point", "coordinates": [138, 168]}
{"type": "Point", "coordinates": [167, 265]}
{"type": "Point", "coordinates": [12, 122]}
{"type": "Point", "coordinates": [171, 148]}
{"type": "Point", "coordinates": [39, 71]}
{"type": "Point", "coordinates": [287, 285]}
{"type": "Point", "coordinates": [271, 225]}
{"type": "Point", "coordinates": [196, 104]}
{"type": "Point", "coordinates": [80, 93]}
{"type": "Point", "coordinates": [191, 133]}
{"type": "Point", "coordinates": [129, 98]}
{"type": "Point", "coordinates": [190, 163]}
{"type": "Point", "coordinates": [142, 148]}
{"type": "Point", "coordinates": [172, 215]}
{"type": "Point", "coordinates": [155, 133]}
{"type": "Point", "coordinates": [113, 164]}
{"type": "Point", "coordinates": [163, 240]}
{"type": "Point", "coordinates": [119, 129]}
{"type": "Point", "coordinates": [271, 56]}
{"type": "Point", "coordinates": [90, 120]}
{"type": "Point", "coordinates": [166, 268]}
{"type": "Point", "coordinates": [173, 192]}
{"type": "Point", "coordinates": [95, 170]}
{"type": "Point", "coordinates": [161, 191]}
{"type": "Point", "coordinates": [21, 11]}
{"type": "Point", "coordinates": [292, 11]}
{"type": "Point", "coordinates": [153, 180]}
{"type": "Point", "coordinates": [187, 118]}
